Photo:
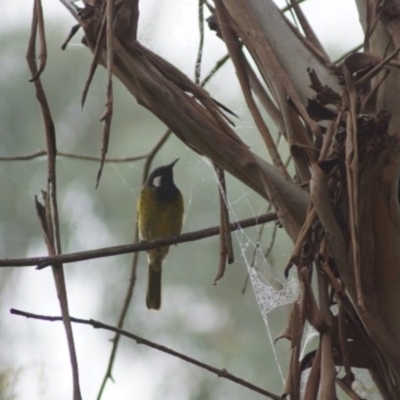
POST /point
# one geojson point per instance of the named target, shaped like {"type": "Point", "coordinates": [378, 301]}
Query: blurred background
{"type": "Point", "coordinates": [219, 325]}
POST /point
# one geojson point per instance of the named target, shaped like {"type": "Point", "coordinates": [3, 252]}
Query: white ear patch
{"type": "Point", "coordinates": [157, 181]}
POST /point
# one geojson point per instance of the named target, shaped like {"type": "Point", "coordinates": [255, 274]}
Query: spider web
{"type": "Point", "coordinates": [269, 298]}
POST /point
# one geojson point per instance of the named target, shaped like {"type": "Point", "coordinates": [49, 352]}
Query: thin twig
{"type": "Point", "coordinates": [351, 51]}
{"type": "Point", "coordinates": [95, 60]}
{"type": "Point", "coordinates": [197, 68]}
{"type": "Point", "coordinates": [272, 241]}
{"type": "Point", "coordinates": [48, 212]}
{"type": "Point", "coordinates": [221, 373]}
{"type": "Point", "coordinates": [42, 153]}
{"type": "Point", "coordinates": [150, 158]}
{"type": "Point", "coordinates": [225, 242]}
{"type": "Point", "coordinates": [71, 34]}
{"type": "Point", "coordinates": [71, 7]}
{"type": "Point", "coordinates": [289, 6]}
{"type": "Point", "coordinates": [44, 261]}
{"type": "Point", "coordinates": [237, 56]}
{"type": "Point", "coordinates": [217, 66]}
{"type": "Point", "coordinates": [106, 118]}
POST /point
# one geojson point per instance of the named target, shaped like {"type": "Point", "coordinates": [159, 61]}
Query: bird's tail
{"type": "Point", "coordinates": [153, 298]}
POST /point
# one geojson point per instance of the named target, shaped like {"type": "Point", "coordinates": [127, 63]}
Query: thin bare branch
{"type": "Point", "coordinates": [351, 51]}
{"type": "Point", "coordinates": [221, 373]}
{"type": "Point", "coordinates": [220, 63]}
{"type": "Point", "coordinates": [43, 262]}
{"type": "Point", "coordinates": [225, 239]}
{"type": "Point", "coordinates": [98, 48]}
{"type": "Point", "coordinates": [48, 213]}
{"type": "Point", "coordinates": [106, 118]}
{"type": "Point", "coordinates": [197, 68]}
{"type": "Point", "coordinates": [41, 153]}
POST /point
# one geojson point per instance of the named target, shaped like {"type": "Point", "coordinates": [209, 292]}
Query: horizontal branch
{"type": "Point", "coordinates": [221, 373]}
{"type": "Point", "coordinates": [42, 153]}
{"type": "Point", "coordinates": [42, 262]}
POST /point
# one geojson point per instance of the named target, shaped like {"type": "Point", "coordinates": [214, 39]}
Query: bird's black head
{"type": "Point", "coordinates": [161, 180]}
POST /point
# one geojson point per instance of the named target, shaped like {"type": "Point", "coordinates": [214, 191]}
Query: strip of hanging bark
{"type": "Point", "coordinates": [38, 28]}
{"type": "Point", "coordinates": [314, 378]}
{"type": "Point", "coordinates": [294, 322]}
{"type": "Point", "coordinates": [127, 15]}
{"type": "Point", "coordinates": [222, 257]}
{"type": "Point", "coordinates": [309, 305]}
{"type": "Point", "coordinates": [48, 214]}
{"type": "Point", "coordinates": [352, 164]}
{"type": "Point", "coordinates": [328, 370]}
{"type": "Point", "coordinates": [302, 151]}
{"type": "Point", "coordinates": [324, 301]}
{"type": "Point", "coordinates": [348, 390]}
{"type": "Point", "coordinates": [369, 102]}
{"type": "Point", "coordinates": [272, 49]}
{"type": "Point", "coordinates": [337, 287]}
{"type": "Point", "coordinates": [320, 196]}
{"type": "Point", "coordinates": [225, 243]}
{"type": "Point", "coordinates": [305, 231]}
{"type": "Point", "coordinates": [326, 148]}
{"type": "Point", "coordinates": [274, 75]}
{"type": "Point", "coordinates": [225, 222]}
{"type": "Point", "coordinates": [71, 34]}
{"type": "Point", "coordinates": [237, 58]}
{"type": "Point", "coordinates": [272, 241]}
{"type": "Point", "coordinates": [266, 101]}
{"type": "Point", "coordinates": [327, 388]}
{"type": "Point", "coordinates": [106, 118]}
{"type": "Point", "coordinates": [44, 213]}
{"type": "Point", "coordinates": [343, 341]}
{"type": "Point", "coordinates": [45, 223]}
{"type": "Point", "coordinates": [292, 382]}
{"type": "Point", "coordinates": [100, 32]}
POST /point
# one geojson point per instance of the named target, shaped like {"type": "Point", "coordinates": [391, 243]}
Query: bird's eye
{"type": "Point", "coordinates": [157, 181]}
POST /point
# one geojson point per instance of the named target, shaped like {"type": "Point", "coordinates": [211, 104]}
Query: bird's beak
{"type": "Point", "coordinates": [174, 162]}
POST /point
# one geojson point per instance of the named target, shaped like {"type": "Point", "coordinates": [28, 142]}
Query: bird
{"type": "Point", "coordinates": [160, 210]}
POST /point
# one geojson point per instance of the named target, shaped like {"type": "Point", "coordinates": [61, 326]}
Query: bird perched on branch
{"type": "Point", "coordinates": [160, 215]}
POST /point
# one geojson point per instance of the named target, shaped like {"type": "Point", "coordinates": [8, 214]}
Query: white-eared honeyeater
{"type": "Point", "coordinates": [160, 215]}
